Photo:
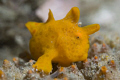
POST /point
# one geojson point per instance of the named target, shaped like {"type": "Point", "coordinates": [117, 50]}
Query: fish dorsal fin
{"type": "Point", "coordinates": [50, 16]}
{"type": "Point", "coordinates": [90, 29]}
{"type": "Point", "coordinates": [73, 15]}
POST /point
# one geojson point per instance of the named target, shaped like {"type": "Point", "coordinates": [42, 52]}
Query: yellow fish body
{"type": "Point", "coordinates": [59, 41]}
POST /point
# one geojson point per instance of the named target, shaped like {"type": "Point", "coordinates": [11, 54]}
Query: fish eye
{"type": "Point", "coordinates": [78, 37]}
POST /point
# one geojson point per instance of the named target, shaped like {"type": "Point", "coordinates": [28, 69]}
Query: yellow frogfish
{"type": "Point", "coordinates": [59, 41]}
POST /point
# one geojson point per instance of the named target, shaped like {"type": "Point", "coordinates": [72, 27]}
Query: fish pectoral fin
{"type": "Point", "coordinates": [45, 61]}
{"type": "Point", "coordinates": [44, 64]}
{"type": "Point", "coordinates": [90, 29]}
{"type": "Point", "coordinates": [33, 27]}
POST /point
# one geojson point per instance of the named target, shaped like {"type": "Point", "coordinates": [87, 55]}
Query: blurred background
{"type": "Point", "coordinates": [14, 36]}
